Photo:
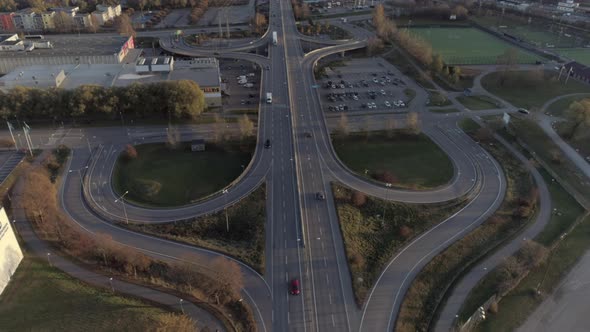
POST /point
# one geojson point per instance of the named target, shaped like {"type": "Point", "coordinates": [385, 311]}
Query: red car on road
{"type": "Point", "coordinates": [294, 287]}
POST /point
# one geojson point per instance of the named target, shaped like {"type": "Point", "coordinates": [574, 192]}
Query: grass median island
{"type": "Point", "coordinates": [163, 176]}
{"type": "Point", "coordinates": [397, 157]}
{"type": "Point", "coordinates": [374, 229]}
{"type": "Point", "coordinates": [40, 297]}
{"type": "Point", "coordinates": [428, 290]}
{"type": "Point", "coordinates": [244, 241]}
{"type": "Point", "coordinates": [477, 103]}
{"type": "Point", "coordinates": [566, 211]}
{"type": "Point", "coordinates": [530, 89]}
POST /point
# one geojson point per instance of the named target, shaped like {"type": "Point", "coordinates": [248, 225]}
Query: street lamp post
{"type": "Point", "coordinates": [388, 185]}
{"type": "Point", "coordinates": [79, 170]}
{"type": "Point", "coordinates": [124, 208]}
{"type": "Point", "coordinates": [181, 306]}
{"type": "Point", "coordinates": [111, 283]}
{"type": "Point", "coordinates": [225, 208]}
{"type": "Point", "coordinates": [49, 259]}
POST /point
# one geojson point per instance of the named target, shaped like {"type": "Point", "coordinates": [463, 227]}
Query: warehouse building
{"type": "Point", "coordinates": [68, 49]}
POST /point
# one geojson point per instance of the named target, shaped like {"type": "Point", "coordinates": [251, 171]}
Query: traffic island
{"type": "Point", "coordinates": [404, 159]}
{"type": "Point", "coordinates": [374, 230]}
{"type": "Point", "coordinates": [159, 175]}
{"type": "Point", "coordinates": [237, 231]}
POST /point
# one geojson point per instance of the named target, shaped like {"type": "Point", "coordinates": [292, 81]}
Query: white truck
{"type": "Point", "coordinates": [269, 97]}
{"type": "Point", "coordinates": [274, 38]}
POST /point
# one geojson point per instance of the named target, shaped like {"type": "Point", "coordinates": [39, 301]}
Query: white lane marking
{"type": "Point", "coordinates": [321, 231]}
{"type": "Point", "coordinates": [333, 322]}
{"type": "Point", "coordinates": [325, 262]}
{"type": "Point", "coordinates": [327, 280]}
{"type": "Point", "coordinates": [287, 276]}
{"type": "Point", "coordinates": [285, 260]}
{"type": "Point", "coordinates": [330, 297]}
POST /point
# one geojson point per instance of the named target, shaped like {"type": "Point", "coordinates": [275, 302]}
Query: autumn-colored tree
{"type": "Point", "coordinates": [130, 152]}
{"type": "Point", "coordinates": [405, 232]}
{"type": "Point", "coordinates": [124, 25]}
{"type": "Point", "coordinates": [374, 46]}
{"type": "Point", "coordinates": [246, 126]}
{"type": "Point", "coordinates": [413, 123]}
{"type": "Point", "coordinates": [358, 198]}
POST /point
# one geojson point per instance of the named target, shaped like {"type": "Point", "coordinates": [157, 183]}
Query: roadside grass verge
{"type": "Point", "coordinates": [428, 290]}
{"type": "Point", "coordinates": [444, 110]}
{"type": "Point", "coordinates": [530, 89]}
{"type": "Point", "coordinates": [478, 102]}
{"type": "Point", "coordinates": [244, 240]}
{"type": "Point", "coordinates": [396, 157]}
{"type": "Point", "coordinates": [535, 139]}
{"type": "Point", "coordinates": [410, 93]}
{"type": "Point", "coordinates": [566, 211]}
{"type": "Point", "coordinates": [374, 230]}
{"type": "Point", "coordinates": [514, 308]}
{"type": "Point", "coordinates": [162, 176]}
{"type": "Point", "coordinates": [40, 297]}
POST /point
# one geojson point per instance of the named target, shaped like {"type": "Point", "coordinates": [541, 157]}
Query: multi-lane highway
{"type": "Point", "coordinates": [303, 235]}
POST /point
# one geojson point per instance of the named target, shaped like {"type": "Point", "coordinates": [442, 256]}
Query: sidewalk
{"type": "Point", "coordinates": [40, 248]}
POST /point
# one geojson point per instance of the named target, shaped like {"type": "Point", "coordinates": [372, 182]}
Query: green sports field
{"type": "Point", "coordinates": [541, 33]}
{"type": "Point", "coordinates": [468, 46]}
{"type": "Point", "coordinates": [581, 55]}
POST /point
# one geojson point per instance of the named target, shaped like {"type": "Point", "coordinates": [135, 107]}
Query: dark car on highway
{"type": "Point", "coordinates": [267, 144]}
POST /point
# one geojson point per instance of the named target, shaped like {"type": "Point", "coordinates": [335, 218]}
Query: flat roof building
{"type": "Point", "coordinates": [69, 49]}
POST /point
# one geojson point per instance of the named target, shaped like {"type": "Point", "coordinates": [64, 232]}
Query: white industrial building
{"type": "Point", "coordinates": [154, 64]}
{"type": "Point", "coordinates": [568, 6]}
{"type": "Point", "coordinates": [10, 252]}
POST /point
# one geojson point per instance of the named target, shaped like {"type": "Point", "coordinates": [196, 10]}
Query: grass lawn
{"type": "Point", "coordinates": [444, 110]}
{"type": "Point", "coordinates": [534, 32]}
{"type": "Point", "coordinates": [410, 93]}
{"type": "Point", "coordinates": [567, 210]}
{"type": "Point", "coordinates": [412, 160]}
{"type": "Point", "coordinates": [520, 90]}
{"type": "Point", "coordinates": [559, 107]}
{"type": "Point", "coordinates": [522, 301]}
{"type": "Point", "coordinates": [42, 298]}
{"type": "Point", "coordinates": [478, 102]}
{"type": "Point", "coordinates": [468, 46]}
{"type": "Point", "coordinates": [244, 241]}
{"type": "Point", "coordinates": [374, 229]}
{"type": "Point", "coordinates": [160, 176]}
{"type": "Point", "coordinates": [581, 55]}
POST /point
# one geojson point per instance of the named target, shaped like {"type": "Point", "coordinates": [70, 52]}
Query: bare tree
{"type": "Point", "coordinates": [246, 126]}
{"type": "Point", "coordinates": [343, 127]}
{"type": "Point", "coordinates": [413, 123]}
{"type": "Point", "coordinates": [124, 25]}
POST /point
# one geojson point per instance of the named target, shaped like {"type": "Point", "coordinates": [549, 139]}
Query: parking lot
{"type": "Point", "coordinates": [242, 81]}
{"type": "Point", "coordinates": [363, 85]}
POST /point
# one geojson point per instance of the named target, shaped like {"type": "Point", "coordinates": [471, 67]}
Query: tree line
{"type": "Point", "coordinates": [173, 99]}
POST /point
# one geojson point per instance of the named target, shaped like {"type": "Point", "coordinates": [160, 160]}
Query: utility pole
{"type": "Point", "coordinates": [124, 208]}
{"type": "Point", "coordinates": [10, 128]}
{"type": "Point", "coordinates": [227, 23]}
{"type": "Point", "coordinates": [225, 208]}
{"type": "Point", "coordinates": [26, 130]}
{"type": "Point", "coordinates": [569, 72]}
